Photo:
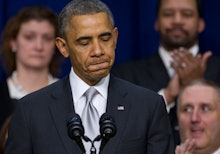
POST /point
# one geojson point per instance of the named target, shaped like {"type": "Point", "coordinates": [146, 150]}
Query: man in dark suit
{"type": "Point", "coordinates": [178, 60]}
{"type": "Point", "coordinates": [88, 37]}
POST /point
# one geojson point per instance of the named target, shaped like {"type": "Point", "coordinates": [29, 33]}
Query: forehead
{"type": "Point", "coordinates": [95, 22]}
{"type": "Point", "coordinates": [178, 4]}
{"type": "Point", "coordinates": [198, 94]}
{"type": "Point", "coordinates": [43, 26]}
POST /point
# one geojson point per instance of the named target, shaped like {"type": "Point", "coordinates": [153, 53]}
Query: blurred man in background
{"type": "Point", "coordinates": [178, 60]}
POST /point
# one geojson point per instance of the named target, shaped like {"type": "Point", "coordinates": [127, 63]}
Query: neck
{"type": "Point", "coordinates": [31, 80]}
{"type": "Point", "coordinates": [174, 47]}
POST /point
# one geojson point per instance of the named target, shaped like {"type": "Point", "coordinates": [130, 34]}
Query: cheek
{"type": "Point", "coordinates": [22, 54]}
{"type": "Point", "coordinates": [50, 55]}
{"type": "Point", "coordinates": [112, 56]}
{"type": "Point", "coordinates": [192, 27]}
{"type": "Point", "coordinates": [184, 125]}
{"type": "Point", "coordinates": [184, 122]}
{"type": "Point", "coordinates": [163, 24]}
{"type": "Point", "coordinates": [49, 46]}
{"type": "Point", "coordinates": [23, 47]}
{"type": "Point", "coordinates": [78, 59]}
{"type": "Point", "coordinates": [50, 50]}
{"type": "Point", "coordinates": [212, 125]}
{"type": "Point", "coordinates": [110, 49]}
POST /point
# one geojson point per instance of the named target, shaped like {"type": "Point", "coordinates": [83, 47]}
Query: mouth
{"type": "Point", "coordinates": [38, 56]}
{"type": "Point", "coordinates": [99, 65]}
{"type": "Point", "coordinates": [177, 32]}
{"type": "Point", "coordinates": [197, 132]}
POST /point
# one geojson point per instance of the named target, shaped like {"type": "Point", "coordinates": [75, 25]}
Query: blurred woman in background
{"type": "Point", "coordinates": [29, 56]}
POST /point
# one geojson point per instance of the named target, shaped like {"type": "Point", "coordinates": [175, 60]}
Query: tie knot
{"type": "Point", "coordinates": [90, 93]}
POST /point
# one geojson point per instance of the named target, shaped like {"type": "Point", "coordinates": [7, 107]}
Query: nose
{"type": "Point", "coordinates": [177, 18]}
{"type": "Point", "coordinates": [97, 48]}
{"type": "Point", "coordinates": [195, 117]}
{"type": "Point", "coordinates": [39, 44]}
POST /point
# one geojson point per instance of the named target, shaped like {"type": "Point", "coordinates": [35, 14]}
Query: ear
{"type": "Point", "coordinates": [62, 46]}
{"type": "Point", "coordinates": [13, 45]}
{"type": "Point", "coordinates": [201, 25]}
{"type": "Point", "coordinates": [115, 35]}
{"type": "Point", "coordinates": [156, 25]}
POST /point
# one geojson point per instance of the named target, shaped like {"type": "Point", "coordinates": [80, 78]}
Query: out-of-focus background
{"type": "Point", "coordinates": [135, 21]}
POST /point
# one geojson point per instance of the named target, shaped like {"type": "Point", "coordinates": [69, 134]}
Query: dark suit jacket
{"type": "Point", "coordinates": [7, 104]}
{"type": "Point", "coordinates": [39, 124]}
{"type": "Point", "coordinates": [152, 74]}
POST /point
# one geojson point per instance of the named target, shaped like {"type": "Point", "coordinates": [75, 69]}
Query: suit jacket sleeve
{"type": "Point", "coordinates": [19, 140]}
{"type": "Point", "coordinates": [143, 127]}
{"type": "Point", "coordinates": [160, 135]}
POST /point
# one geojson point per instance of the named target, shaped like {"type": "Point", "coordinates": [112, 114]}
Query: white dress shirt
{"type": "Point", "coordinates": [217, 151]}
{"type": "Point", "coordinates": [167, 59]}
{"type": "Point", "coordinates": [79, 87]}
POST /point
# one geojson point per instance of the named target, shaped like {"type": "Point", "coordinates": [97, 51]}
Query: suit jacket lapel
{"type": "Point", "coordinates": [158, 71]}
{"type": "Point", "coordinates": [61, 106]}
{"type": "Point", "coordinates": [118, 109]}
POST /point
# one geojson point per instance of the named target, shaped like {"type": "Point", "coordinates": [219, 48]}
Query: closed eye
{"type": "Point", "coordinates": [105, 36]}
{"type": "Point", "coordinates": [83, 41]}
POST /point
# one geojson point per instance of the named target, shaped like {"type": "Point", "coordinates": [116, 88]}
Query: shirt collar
{"type": "Point", "coordinates": [75, 81]}
{"type": "Point", "coordinates": [167, 59]}
{"type": "Point", "coordinates": [193, 50]}
{"type": "Point", "coordinates": [217, 151]}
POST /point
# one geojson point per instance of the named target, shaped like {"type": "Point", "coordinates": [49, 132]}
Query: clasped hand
{"type": "Point", "coordinates": [187, 68]}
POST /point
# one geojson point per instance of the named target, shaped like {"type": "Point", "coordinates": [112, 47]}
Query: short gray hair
{"type": "Point", "coordinates": [81, 7]}
{"type": "Point", "coordinates": [202, 82]}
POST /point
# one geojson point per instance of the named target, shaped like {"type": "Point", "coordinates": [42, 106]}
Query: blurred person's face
{"type": "Point", "coordinates": [178, 23]}
{"type": "Point", "coordinates": [199, 115]}
{"type": "Point", "coordinates": [90, 43]}
{"type": "Point", "coordinates": [35, 44]}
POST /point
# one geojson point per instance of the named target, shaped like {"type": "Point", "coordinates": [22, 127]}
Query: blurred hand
{"type": "Point", "coordinates": [172, 90]}
{"type": "Point", "coordinates": [188, 147]}
{"type": "Point", "coordinates": [189, 67]}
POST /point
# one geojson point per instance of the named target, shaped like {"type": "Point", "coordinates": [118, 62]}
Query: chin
{"type": "Point", "coordinates": [200, 143]}
{"type": "Point", "coordinates": [100, 75]}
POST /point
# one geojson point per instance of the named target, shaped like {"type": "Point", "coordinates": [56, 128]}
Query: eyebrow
{"type": "Point", "coordinates": [105, 34]}
{"type": "Point", "coordinates": [185, 104]}
{"type": "Point", "coordinates": [182, 9]}
{"type": "Point", "coordinates": [83, 38]}
{"type": "Point", "coordinates": [89, 37]}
